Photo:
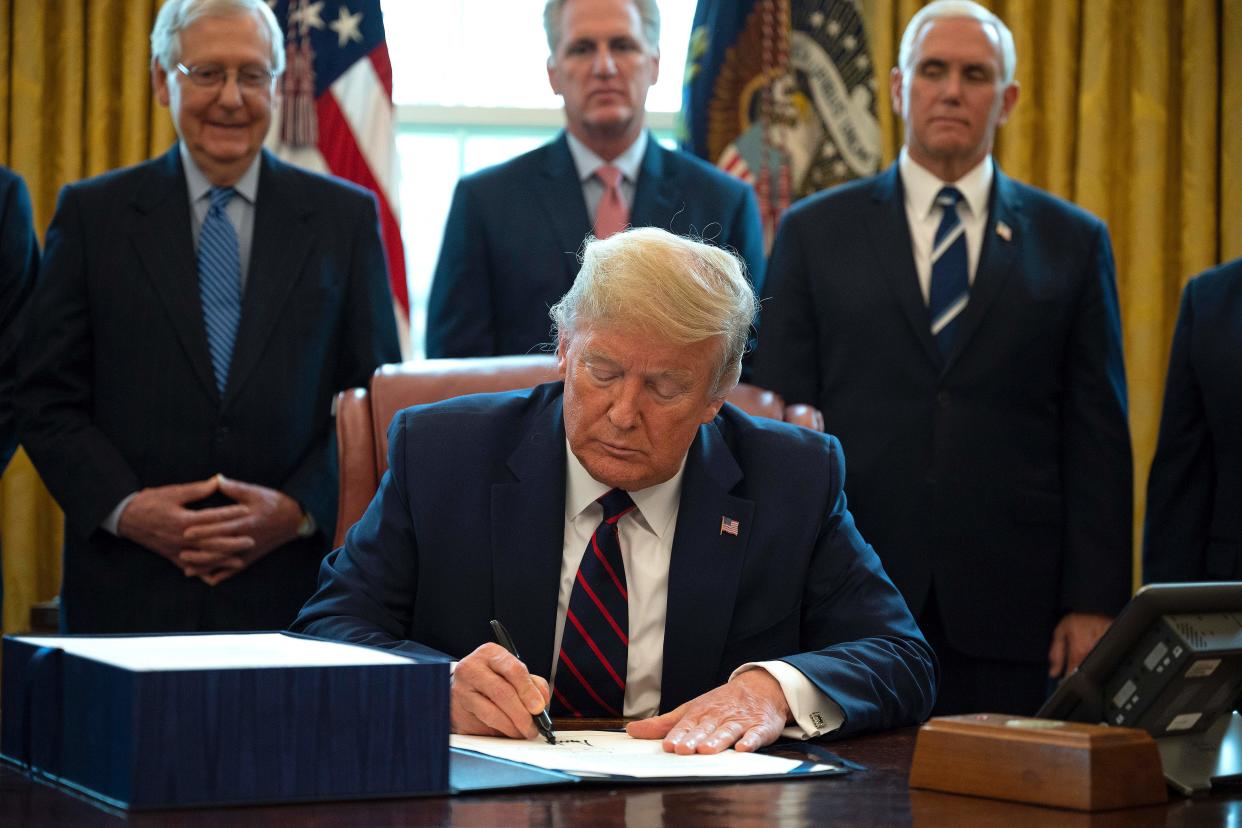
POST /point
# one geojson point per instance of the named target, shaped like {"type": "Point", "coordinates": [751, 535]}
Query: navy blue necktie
{"type": "Point", "coordinates": [590, 672]}
{"type": "Point", "coordinates": [219, 283]}
{"type": "Point", "coordinates": [950, 284]}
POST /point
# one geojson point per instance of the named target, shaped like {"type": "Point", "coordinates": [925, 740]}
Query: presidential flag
{"type": "Point", "coordinates": [781, 94]}
{"type": "Point", "coordinates": [336, 114]}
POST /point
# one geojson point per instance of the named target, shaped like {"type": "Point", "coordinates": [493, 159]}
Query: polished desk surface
{"type": "Point", "coordinates": [877, 796]}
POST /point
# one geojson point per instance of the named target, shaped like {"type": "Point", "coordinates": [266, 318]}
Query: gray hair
{"type": "Point", "coordinates": [648, 13]}
{"type": "Point", "coordinates": [176, 15]}
{"type": "Point", "coordinates": [947, 9]}
{"type": "Point", "coordinates": [677, 288]}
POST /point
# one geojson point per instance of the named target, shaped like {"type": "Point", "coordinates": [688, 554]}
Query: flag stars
{"type": "Point", "coordinates": [307, 16]}
{"type": "Point", "coordinates": [849, 42]}
{"type": "Point", "coordinates": [833, 28]}
{"type": "Point", "coordinates": [346, 27]}
{"type": "Point", "coordinates": [817, 19]}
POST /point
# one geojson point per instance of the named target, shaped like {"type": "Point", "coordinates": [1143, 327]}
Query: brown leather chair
{"type": "Point", "coordinates": [362, 417]}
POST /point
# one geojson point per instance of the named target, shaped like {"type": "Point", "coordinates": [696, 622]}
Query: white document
{"type": "Point", "coordinates": [225, 651]}
{"type": "Point", "coordinates": [606, 753]}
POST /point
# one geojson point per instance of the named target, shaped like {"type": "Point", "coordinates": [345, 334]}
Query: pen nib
{"type": "Point", "coordinates": [551, 738]}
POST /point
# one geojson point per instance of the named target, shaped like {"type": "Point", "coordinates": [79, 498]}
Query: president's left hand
{"type": "Point", "coordinates": [748, 712]}
{"type": "Point", "coordinates": [1072, 639]}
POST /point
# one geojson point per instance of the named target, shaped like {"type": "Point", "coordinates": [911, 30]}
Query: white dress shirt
{"type": "Point", "coordinates": [646, 535]}
{"type": "Point", "coordinates": [923, 214]}
{"type": "Point", "coordinates": [587, 162]}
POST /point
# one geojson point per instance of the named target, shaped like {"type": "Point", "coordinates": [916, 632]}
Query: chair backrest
{"type": "Point", "coordinates": [362, 417]}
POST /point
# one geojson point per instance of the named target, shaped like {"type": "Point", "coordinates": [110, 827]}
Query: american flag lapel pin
{"type": "Point", "coordinates": [1004, 231]}
{"type": "Point", "coordinates": [728, 525]}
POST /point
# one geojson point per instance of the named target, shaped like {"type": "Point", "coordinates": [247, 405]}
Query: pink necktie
{"type": "Point", "coordinates": [612, 215]}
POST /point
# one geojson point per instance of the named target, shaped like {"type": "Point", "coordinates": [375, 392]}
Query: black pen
{"type": "Point", "coordinates": [542, 721]}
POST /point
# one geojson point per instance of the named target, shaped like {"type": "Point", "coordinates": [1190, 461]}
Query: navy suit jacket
{"type": "Point", "coordinates": [1000, 474]}
{"type": "Point", "coordinates": [468, 525]}
{"type": "Point", "coordinates": [514, 232]}
{"type": "Point", "coordinates": [19, 266]}
{"type": "Point", "coordinates": [117, 393]}
{"type": "Point", "coordinates": [1194, 494]}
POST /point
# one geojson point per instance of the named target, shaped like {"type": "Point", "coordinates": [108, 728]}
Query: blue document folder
{"type": "Point", "coordinates": [193, 720]}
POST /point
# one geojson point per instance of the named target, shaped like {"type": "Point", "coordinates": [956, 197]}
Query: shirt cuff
{"type": "Point", "coordinates": [113, 519]}
{"type": "Point", "coordinates": [813, 712]}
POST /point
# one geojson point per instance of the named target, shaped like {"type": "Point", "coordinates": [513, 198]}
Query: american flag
{"type": "Point", "coordinates": [728, 524]}
{"type": "Point", "coordinates": [336, 113]}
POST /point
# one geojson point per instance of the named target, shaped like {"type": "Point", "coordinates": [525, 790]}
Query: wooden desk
{"type": "Point", "coordinates": [876, 797]}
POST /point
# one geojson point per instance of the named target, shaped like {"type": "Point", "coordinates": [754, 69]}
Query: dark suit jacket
{"type": "Point", "coordinates": [1194, 495]}
{"type": "Point", "coordinates": [19, 266]}
{"type": "Point", "coordinates": [1002, 474]}
{"type": "Point", "coordinates": [514, 232]}
{"type": "Point", "coordinates": [117, 391]}
{"type": "Point", "coordinates": [468, 526]}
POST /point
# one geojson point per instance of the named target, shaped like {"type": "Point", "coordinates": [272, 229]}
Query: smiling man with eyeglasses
{"type": "Point", "coordinates": [197, 316]}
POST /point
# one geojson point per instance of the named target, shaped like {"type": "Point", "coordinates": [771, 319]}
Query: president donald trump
{"type": "Point", "coordinates": [656, 553]}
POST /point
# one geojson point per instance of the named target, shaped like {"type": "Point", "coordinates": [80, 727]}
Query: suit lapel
{"type": "Point", "coordinates": [657, 194]}
{"type": "Point", "coordinates": [279, 246]}
{"type": "Point", "coordinates": [163, 241]}
{"type": "Point", "coordinates": [705, 569]}
{"type": "Point", "coordinates": [559, 192]}
{"type": "Point", "coordinates": [889, 230]}
{"type": "Point", "coordinates": [997, 255]}
{"type": "Point", "coordinates": [528, 535]}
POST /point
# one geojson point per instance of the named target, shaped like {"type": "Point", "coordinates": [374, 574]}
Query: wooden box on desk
{"type": "Point", "coordinates": [1046, 762]}
{"type": "Point", "coordinates": [191, 720]}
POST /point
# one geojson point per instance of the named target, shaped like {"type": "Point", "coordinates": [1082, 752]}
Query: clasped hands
{"type": "Point", "coordinates": [215, 543]}
{"type": "Point", "coordinates": [494, 695]}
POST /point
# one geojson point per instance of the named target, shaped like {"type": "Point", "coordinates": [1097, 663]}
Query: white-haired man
{"type": "Point", "coordinates": [196, 315]}
{"type": "Point", "coordinates": [656, 553]}
{"type": "Point", "coordinates": [960, 332]}
{"type": "Point", "coordinates": [514, 230]}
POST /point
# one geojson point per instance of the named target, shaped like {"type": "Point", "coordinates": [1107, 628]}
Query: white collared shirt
{"type": "Point", "coordinates": [923, 214]}
{"type": "Point", "coordinates": [630, 163]}
{"type": "Point", "coordinates": [646, 536]}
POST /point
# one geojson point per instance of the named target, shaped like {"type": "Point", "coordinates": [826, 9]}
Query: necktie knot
{"type": "Point", "coordinates": [609, 176]}
{"type": "Point", "coordinates": [221, 196]}
{"type": "Point", "coordinates": [948, 197]}
{"type": "Point", "coordinates": [616, 503]}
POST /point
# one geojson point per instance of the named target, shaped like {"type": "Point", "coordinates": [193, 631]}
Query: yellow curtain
{"type": "Point", "coordinates": [1131, 109]}
{"type": "Point", "coordinates": [75, 101]}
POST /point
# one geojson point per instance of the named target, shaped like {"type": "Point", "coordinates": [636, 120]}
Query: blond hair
{"type": "Point", "coordinates": [677, 288]}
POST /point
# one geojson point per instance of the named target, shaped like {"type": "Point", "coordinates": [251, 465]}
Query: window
{"type": "Point", "coordinates": [471, 90]}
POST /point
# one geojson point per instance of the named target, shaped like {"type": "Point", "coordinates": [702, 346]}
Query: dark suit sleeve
{"type": "Point", "coordinates": [1183, 473]}
{"type": "Point", "coordinates": [746, 236]}
{"type": "Point", "coordinates": [459, 309]}
{"type": "Point", "coordinates": [367, 587]}
{"type": "Point", "coordinates": [368, 339]}
{"type": "Point", "coordinates": [870, 657]}
{"type": "Point", "coordinates": [787, 356]}
{"type": "Point", "coordinates": [82, 467]}
{"type": "Point", "coordinates": [19, 267]}
{"type": "Point", "coordinates": [1096, 462]}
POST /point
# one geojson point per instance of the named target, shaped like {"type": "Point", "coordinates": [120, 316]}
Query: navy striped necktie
{"type": "Point", "coordinates": [219, 283]}
{"type": "Point", "coordinates": [591, 669]}
{"type": "Point", "coordinates": [950, 283]}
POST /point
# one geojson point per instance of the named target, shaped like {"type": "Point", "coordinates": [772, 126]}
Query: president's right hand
{"type": "Point", "coordinates": [157, 517]}
{"type": "Point", "coordinates": [494, 695]}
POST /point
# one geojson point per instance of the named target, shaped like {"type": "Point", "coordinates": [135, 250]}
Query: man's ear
{"type": "Point", "coordinates": [562, 357]}
{"type": "Point", "coordinates": [159, 83]}
{"type": "Point", "coordinates": [895, 80]}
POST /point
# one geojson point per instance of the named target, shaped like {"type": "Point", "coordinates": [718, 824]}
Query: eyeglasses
{"type": "Point", "coordinates": [213, 76]}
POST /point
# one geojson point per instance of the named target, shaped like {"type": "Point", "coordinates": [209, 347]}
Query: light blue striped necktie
{"type": "Point", "coordinates": [950, 284]}
{"type": "Point", "coordinates": [219, 283]}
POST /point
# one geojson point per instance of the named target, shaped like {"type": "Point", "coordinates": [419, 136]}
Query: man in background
{"type": "Point", "coordinates": [196, 316]}
{"type": "Point", "coordinates": [960, 332]}
{"type": "Point", "coordinates": [514, 231]}
{"type": "Point", "coordinates": [1193, 528]}
{"type": "Point", "coordinates": [19, 267]}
